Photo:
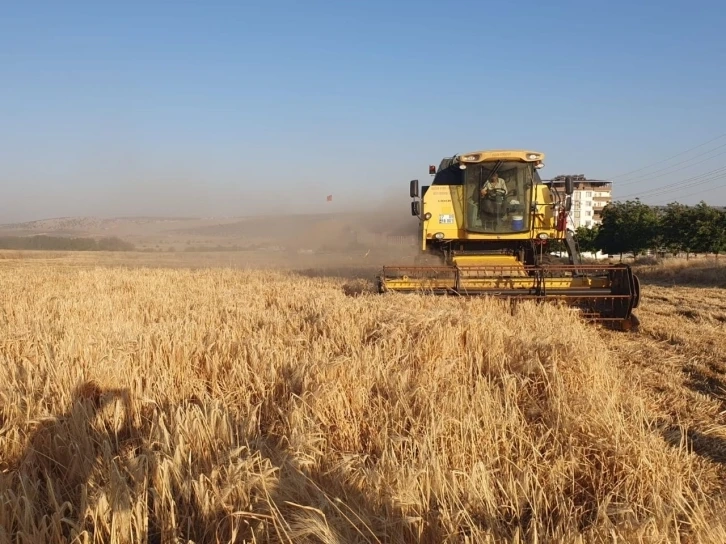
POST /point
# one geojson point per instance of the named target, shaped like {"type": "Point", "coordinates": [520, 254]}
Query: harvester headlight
{"type": "Point", "coordinates": [543, 236]}
{"type": "Point", "coordinates": [470, 157]}
{"type": "Point", "coordinates": [539, 165]}
{"type": "Point", "coordinates": [439, 235]}
{"type": "Point", "coordinates": [532, 156]}
{"type": "Point", "coordinates": [427, 216]}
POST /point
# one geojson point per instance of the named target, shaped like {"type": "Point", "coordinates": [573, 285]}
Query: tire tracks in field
{"type": "Point", "coordinates": [678, 362]}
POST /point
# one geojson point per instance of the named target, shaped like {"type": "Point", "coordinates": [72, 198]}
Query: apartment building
{"type": "Point", "coordinates": [588, 199]}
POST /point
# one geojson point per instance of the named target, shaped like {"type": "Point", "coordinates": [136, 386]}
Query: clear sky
{"type": "Point", "coordinates": [228, 108]}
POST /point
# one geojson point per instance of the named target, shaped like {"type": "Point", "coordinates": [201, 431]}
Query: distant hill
{"type": "Point", "coordinates": [87, 223]}
{"type": "Point", "coordinates": [333, 230]}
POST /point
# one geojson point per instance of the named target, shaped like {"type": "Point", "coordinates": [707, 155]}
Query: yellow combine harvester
{"type": "Point", "coordinates": [490, 222]}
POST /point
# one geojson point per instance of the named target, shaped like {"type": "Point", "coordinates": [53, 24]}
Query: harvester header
{"type": "Point", "coordinates": [491, 223]}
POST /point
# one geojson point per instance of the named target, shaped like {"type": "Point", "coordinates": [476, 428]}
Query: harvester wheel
{"type": "Point", "coordinates": [632, 324]}
{"type": "Point", "coordinates": [629, 324]}
{"type": "Point", "coordinates": [636, 291]}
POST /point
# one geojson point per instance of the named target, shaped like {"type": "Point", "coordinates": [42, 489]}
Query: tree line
{"type": "Point", "coordinates": [62, 243]}
{"type": "Point", "coordinates": [634, 227]}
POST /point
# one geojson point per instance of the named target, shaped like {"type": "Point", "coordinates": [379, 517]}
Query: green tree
{"type": "Point", "coordinates": [707, 228]}
{"type": "Point", "coordinates": [61, 243]}
{"type": "Point", "coordinates": [693, 229]}
{"type": "Point", "coordinates": [677, 228]}
{"type": "Point", "coordinates": [629, 226]}
{"type": "Point", "coordinates": [586, 238]}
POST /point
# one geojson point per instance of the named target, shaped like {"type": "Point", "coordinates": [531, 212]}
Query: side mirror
{"type": "Point", "coordinates": [432, 170]}
{"type": "Point", "coordinates": [414, 188]}
{"type": "Point", "coordinates": [568, 203]}
{"type": "Point", "coordinates": [569, 186]}
{"type": "Point", "coordinates": [415, 208]}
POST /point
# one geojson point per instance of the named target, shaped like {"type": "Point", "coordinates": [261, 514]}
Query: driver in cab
{"type": "Point", "coordinates": [493, 184]}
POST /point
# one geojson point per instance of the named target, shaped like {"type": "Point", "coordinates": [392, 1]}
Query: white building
{"type": "Point", "coordinates": [588, 199]}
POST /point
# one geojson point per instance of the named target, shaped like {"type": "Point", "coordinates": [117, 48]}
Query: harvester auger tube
{"type": "Point", "coordinates": [602, 293]}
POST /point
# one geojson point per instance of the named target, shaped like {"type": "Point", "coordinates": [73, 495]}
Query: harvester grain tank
{"type": "Point", "coordinates": [490, 223]}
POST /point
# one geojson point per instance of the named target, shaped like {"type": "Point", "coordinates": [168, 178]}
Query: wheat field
{"type": "Point", "coordinates": [157, 404]}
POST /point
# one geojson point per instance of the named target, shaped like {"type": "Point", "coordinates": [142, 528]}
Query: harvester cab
{"type": "Point", "coordinates": [490, 223]}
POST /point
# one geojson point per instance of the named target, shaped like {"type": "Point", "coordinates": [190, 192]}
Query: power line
{"type": "Point", "coordinates": [665, 160]}
{"type": "Point", "coordinates": [669, 170]}
{"type": "Point", "coordinates": [704, 191]}
{"type": "Point", "coordinates": [680, 184]}
{"type": "Point", "coordinates": [687, 186]}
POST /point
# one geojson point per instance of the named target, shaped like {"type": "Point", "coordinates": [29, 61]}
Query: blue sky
{"type": "Point", "coordinates": [229, 108]}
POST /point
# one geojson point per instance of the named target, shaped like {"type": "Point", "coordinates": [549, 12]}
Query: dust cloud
{"type": "Point", "coordinates": [179, 216]}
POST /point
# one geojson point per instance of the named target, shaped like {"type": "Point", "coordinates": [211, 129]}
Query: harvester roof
{"type": "Point", "coordinates": [499, 155]}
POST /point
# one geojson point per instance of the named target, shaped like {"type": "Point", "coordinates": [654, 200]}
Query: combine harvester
{"type": "Point", "coordinates": [490, 223]}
